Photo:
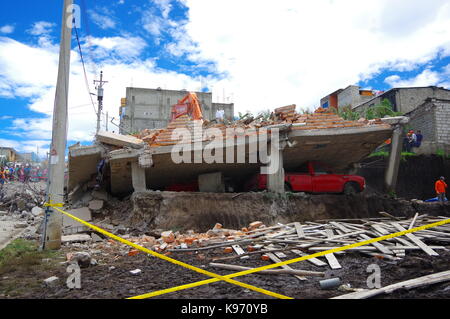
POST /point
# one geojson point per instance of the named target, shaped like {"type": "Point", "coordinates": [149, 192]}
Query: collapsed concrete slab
{"type": "Point", "coordinates": [83, 161]}
{"type": "Point", "coordinates": [82, 213]}
{"type": "Point", "coordinates": [119, 140]}
{"type": "Point", "coordinates": [322, 136]}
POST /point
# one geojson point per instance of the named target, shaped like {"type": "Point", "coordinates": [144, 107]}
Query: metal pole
{"type": "Point", "coordinates": [53, 220]}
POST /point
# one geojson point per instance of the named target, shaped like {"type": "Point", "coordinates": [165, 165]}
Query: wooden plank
{"type": "Point", "coordinates": [334, 263]}
{"type": "Point", "coordinates": [275, 259]}
{"type": "Point", "coordinates": [314, 261]}
{"type": "Point", "coordinates": [399, 252]}
{"type": "Point", "coordinates": [299, 229]}
{"type": "Point", "coordinates": [413, 221]}
{"type": "Point", "coordinates": [279, 254]}
{"type": "Point", "coordinates": [294, 272]}
{"type": "Point", "coordinates": [369, 248]}
{"type": "Point", "coordinates": [340, 227]}
{"type": "Point", "coordinates": [378, 245]}
{"type": "Point", "coordinates": [239, 251]}
{"type": "Point", "coordinates": [408, 284]}
{"type": "Point", "coordinates": [417, 241]}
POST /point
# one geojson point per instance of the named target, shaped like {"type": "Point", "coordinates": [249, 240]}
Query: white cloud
{"type": "Point", "coordinates": [120, 47]}
{"type": "Point", "coordinates": [41, 28]}
{"type": "Point", "coordinates": [165, 7]}
{"type": "Point", "coordinates": [299, 51]}
{"type": "Point", "coordinates": [425, 78]}
{"type": "Point", "coordinates": [104, 21]}
{"type": "Point", "coordinates": [7, 29]}
{"type": "Point", "coordinates": [35, 79]}
{"type": "Point", "coordinates": [27, 146]}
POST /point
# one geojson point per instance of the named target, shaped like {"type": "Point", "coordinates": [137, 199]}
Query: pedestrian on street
{"type": "Point", "coordinates": [441, 188]}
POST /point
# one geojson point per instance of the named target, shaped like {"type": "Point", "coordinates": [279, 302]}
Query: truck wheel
{"type": "Point", "coordinates": [350, 189]}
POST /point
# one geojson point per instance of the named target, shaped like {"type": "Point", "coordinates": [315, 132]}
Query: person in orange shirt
{"type": "Point", "coordinates": [441, 188]}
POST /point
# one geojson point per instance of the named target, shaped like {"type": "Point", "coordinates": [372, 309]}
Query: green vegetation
{"type": "Point", "coordinates": [348, 114]}
{"type": "Point", "coordinates": [442, 153]}
{"type": "Point", "coordinates": [385, 154]}
{"type": "Point", "coordinates": [379, 154]}
{"type": "Point", "coordinates": [374, 112]}
{"type": "Point", "coordinates": [22, 253]}
{"type": "Point", "coordinates": [23, 267]}
{"type": "Point", "coordinates": [381, 110]}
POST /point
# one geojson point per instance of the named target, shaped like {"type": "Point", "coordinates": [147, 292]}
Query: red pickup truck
{"type": "Point", "coordinates": [313, 177]}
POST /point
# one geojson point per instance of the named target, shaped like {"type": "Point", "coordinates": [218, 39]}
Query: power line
{"type": "Point", "coordinates": [84, 71]}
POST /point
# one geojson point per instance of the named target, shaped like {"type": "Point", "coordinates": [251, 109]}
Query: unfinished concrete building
{"type": "Point", "coordinates": [150, 108]}
{"type": "Point", "coordinates": [405, 99]}
{"type": "Point", "coordinates": [145, 161]}
{"type": "Point", "coordinates": [351, 96]}
{"type": "Point", "coordinates": [432, 118]}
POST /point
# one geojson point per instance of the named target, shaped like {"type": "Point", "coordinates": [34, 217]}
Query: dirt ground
{"type": "Point", "coordinates": [103, 281]}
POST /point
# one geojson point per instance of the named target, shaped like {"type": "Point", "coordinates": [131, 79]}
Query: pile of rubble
{"type": "Point", "coordinates": [287, 115]}
{"type": "Point", "coordinates": [20, 209]}
{"type": "Point", "coordinates": [273, 243]}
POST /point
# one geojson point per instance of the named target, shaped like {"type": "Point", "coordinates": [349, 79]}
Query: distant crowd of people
{"type": "Point", "coordinates": [22, 173]}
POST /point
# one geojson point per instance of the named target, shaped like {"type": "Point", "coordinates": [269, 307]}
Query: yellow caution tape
{"type": "Point", "coordinates": [251, 271]}
{"type": "Point", "coordinates": [174, 261]}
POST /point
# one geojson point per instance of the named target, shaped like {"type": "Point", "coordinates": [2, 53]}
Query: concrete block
{"type": "Point", "coordinates": [51, 282]}
{"type": "Point", "coordinates": [76, 238]}
{"type": "Point", "coordinates": [82, 213]}
{"type": "Point", "coordinates": [37, 211]}
{"type": "Point", "coordinates": [96, 205]}
{"type": "Point", "coordinates": [100, 195]}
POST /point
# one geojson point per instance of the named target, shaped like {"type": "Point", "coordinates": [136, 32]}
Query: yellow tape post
{"type": "Point", "coordinates": [319, 254]}
{"type": "Point", "coordinates": [171, 260]}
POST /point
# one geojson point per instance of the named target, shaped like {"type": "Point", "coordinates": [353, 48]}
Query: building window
{"type": "Point", "coordinates": [325, 105]}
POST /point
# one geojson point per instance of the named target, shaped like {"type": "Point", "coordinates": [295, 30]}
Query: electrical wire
{"type": "Point", "coordinates": [84, 70]}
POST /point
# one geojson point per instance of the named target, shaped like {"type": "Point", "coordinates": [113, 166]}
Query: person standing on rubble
{"type": "Point", "coordinates": [2, 176]}
{"type": "Point", "coordinates": [21, 174]}
{"type": "Point", "coordinates": [27, 171]}
{"type": "Point", "coordinates": [441, 188]}
{"type": "Point", "coordinates": [11, 173]}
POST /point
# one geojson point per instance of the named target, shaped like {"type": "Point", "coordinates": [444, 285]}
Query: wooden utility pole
{"type": "Point", "coordinates": [56, 181]}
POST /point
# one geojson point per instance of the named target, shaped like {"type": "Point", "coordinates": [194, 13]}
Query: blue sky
{"type": "Point", "coordinates": [285, 52]}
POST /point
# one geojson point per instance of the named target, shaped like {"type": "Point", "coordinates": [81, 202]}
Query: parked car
{"type": "Point", "coordinates": [313, 177]}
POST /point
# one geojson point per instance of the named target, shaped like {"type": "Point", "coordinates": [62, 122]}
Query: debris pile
{"type": "Point", "coordinates": [320, 119]}
{"type": "Point", "coordinates": [277, 242]}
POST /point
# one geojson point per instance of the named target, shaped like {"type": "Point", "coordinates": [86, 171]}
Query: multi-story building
{"type": "Point", "coordinates": [151, 108]}
{"type": "Point", "coordinates": [349, 97]}
{"type": "Point", "coordinates": [405, 99]}
{"type": "Point", "coordinates": [9, 154]}
{"type": "Point", "coordinates": [432, 118]}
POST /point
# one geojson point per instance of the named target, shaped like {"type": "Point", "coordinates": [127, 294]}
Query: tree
{"type": "Point", "coordinates": [381, 110]}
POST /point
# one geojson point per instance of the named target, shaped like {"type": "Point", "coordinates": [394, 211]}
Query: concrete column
{"type": "Point", "coordinates": [138, 177]}
{"type": "Point", "coordinates": [275, 182]}
{"type": "Point", "coordinates": [391, 173]}
{"type": "Point", "coordinates": [211, 183]}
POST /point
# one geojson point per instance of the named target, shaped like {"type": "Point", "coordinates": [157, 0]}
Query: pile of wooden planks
{"type": "Point", "coordinates": [301, 239]}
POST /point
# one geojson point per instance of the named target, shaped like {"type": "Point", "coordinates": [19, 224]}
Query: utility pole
{"type": "Point", "coordinates": [55, 188]}
{"type": "Point", "coordinates": [99, 98]}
